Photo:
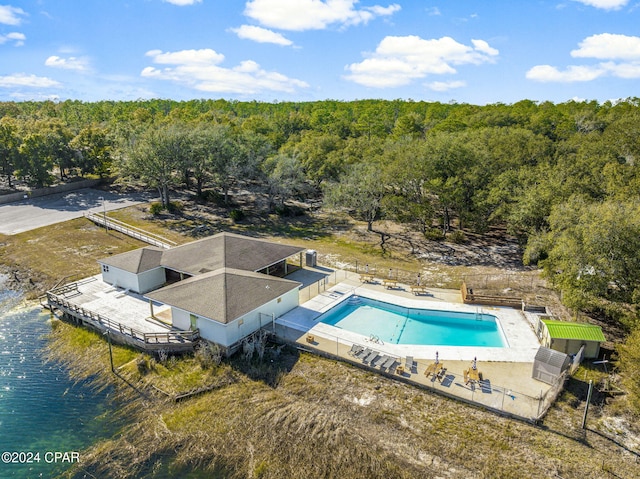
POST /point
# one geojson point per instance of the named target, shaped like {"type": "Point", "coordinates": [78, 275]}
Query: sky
{"type": "Point", "coordinates": [465, 51]}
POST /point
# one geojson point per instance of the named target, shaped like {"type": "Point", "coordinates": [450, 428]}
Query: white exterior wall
{"type": "Point", "coordinates": [138, 283]}
{"type": "Point", "coordinates": [120, 278]}
{"type": "Point", "coordinates": [150, 280]}
{"type": "Point", "coordinates": [228, 334]}
{"type": "Point", "coordinates": [570, 346]}
{"type": "Point", "coordinates": [180, 319]}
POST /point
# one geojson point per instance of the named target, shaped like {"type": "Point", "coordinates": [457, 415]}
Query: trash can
{"type": "Point", "coordinates": [311, 258]}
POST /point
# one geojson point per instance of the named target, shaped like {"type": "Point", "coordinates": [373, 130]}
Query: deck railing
{"type": "Point", "coordinates": [132, 231]}
{"type": "Point", "coordinates": [168, 337]}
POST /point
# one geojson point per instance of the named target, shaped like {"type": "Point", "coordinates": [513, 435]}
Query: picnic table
{"type": "Point", "coordinates": [389, 283]}
{"type": "Point", "coordinates": [473, 376]}
{"type": "Point", "coordinates": [437, 369]}
{"type": "Point", "coordinates": [366, 278]}
{"type": "Point", "coordinates": [416, 289]}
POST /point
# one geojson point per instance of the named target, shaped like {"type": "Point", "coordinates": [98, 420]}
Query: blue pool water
{"type": "Point", "coordinates": [399, 325]}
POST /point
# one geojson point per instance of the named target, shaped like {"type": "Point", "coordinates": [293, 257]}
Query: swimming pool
{"type": "Point", "coordinates": [399, 325]}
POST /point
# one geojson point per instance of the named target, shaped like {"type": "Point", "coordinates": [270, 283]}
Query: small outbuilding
{"type": "Point", "coordinates": [567, 337]}
{"type": "Point", "coordinates": [549, 365]}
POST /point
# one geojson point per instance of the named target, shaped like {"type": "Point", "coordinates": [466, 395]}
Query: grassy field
{"type": "Point", "coordinates": [297, 415]}
{"type": "Point", "coordinates": [294, 414]}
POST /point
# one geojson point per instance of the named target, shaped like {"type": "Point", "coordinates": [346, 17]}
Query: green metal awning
{"type": "Point", "coordinates": [579, 331]}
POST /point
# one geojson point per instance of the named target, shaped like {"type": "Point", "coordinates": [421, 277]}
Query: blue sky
{"type": "Point", "coordinates": [467, 51]}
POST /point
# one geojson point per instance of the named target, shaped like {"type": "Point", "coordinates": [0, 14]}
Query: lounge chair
{"type": "Point", "coordinates": [355, 349]}
{"type": "Point", "coordinates": [380, 360]}
{"type": "Point", "coordinates": [371, 357]}
{"type": "Point", "coordinates": [363, 353]}
{"type": "Point", "coordinates": [388, 364]}
{"type": "Point", "coordinates": [408, 365]}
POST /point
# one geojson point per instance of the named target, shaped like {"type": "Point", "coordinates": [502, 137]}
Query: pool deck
{"type": "Point", "coordinates": [507, 385]}
{"type": "Point", "coordinates": [516, 325]}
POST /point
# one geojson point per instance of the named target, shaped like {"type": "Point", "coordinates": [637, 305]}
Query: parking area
{"type": "Point", "coordinates": [32, 213]}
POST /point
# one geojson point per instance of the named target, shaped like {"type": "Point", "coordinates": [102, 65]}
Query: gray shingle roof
{"type": "Point", "coordinates": [136, 261]}
{"type": "Point", "coordinates": [225, 294]}
{"type": "Point", "coordinates": [226, 250]}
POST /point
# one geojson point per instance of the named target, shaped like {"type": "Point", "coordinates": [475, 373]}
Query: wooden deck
{"type": "Point", "coordinates": [126, 316]}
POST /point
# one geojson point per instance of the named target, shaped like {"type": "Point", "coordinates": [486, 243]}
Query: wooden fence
{"type": "Point", "coordinates": [169, 340]}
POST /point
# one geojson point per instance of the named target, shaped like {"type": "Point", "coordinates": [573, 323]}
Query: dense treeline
{"type": "Point", "coordinates": [563, 177]}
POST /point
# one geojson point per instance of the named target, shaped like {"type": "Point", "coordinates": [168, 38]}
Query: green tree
{"type": "Point", "coordinates": [9, 148]}
{"type": "Point", "coordinates": [360, 192]}
{"type": "Point", "coordinates": [93, 148]}
{"type": "Point", "coordinates": [35, 160]}
{"type": "Point", "coordinates": [157, 157]}
{"type": "Point", "coordinates": [285, 179]}
{"type": "Point", "coordinates": [594, 255]}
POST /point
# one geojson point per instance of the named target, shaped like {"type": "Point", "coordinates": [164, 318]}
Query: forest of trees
{"type": "Point", "coordinates": [563, 178]}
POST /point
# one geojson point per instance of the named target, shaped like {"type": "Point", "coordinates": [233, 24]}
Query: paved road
{"type": "Point", "coordinates": [47, 210]}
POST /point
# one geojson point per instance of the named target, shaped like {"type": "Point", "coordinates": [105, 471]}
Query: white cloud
{"type": "Point", "coordinates": [204, 56]}
{"type": "Point", "coordinates": [399, 60]}
{"type": "Point", "coordinates": [183, 3]}
{"type": "Point", "coordinates": [261, 35]}
{"type": "Point", "coordinates": [201, 70]}
{"type": "Point", "coordinates": [433, 11]}
{"type": "Point", "coordinates": [71, 63]}
{"type": "Point", "coordinates": [483, 47]}
{"type": "Point", "coordinates": [32, 81]}
{"type": "Point", "coordinates": [445, 85]}
{"type": "Point", "coordinates": [17, 38]}
{"type": "Point", "coordinates": [609, 46]}
{"type": "Point", "coordinates": [605, 4]}
{"type": "Point", "coordinates": [626, 71]}
{"type": "Point", "coordinates": [312, 14]}
{"type": "Point", "coordinates": [621, 51]}
{"type": "Point", "coordinates": [548, 73]}
{"type": "Point", "coordinates": [11, 15]}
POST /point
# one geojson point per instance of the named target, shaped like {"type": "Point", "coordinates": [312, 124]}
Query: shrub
{"type": "Point", "coordinates": [211, 196]}
{"type": "Point", "coordinates": [155, 208]}
{"type": "Point", "coordinates": [289, 211]}
{"type": "Point", "coordinates": [175, 207]}
{"type": "Point", "coordinates": [208, 355]}
{"type": "Point", "coordinates": [434, 234]}
{"type": "Point", "coordinates": [458, 237]}
{"type": "Point", "coordinates": [143, 365]}
{"type": "Point", "coordinates": [236, 215]}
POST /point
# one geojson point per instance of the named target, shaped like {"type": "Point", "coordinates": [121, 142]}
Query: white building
{"type": "Point", "coordinates": [227, 286]}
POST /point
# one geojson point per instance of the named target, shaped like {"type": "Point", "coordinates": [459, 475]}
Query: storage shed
{"type": "Point", "coordinates": [549, 365]}
{"type": "Point", "coordinates": [568, 337]}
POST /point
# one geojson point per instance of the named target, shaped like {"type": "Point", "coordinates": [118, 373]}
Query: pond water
{"type": "Point", "coordinates": [42, 411]}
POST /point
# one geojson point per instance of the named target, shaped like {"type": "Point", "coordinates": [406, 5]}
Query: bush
{"type": "Point", "coordinates": [458, 237]}
{"type": "Point", "coordinates": [155, 209]}
{"type": "Point", "coordinates": [236, 215]}
{"type": "Point", "coordinates": [208, 355]}
{"type": "Point", "coordinates": [289, 211]}
{"type": "Point", "coordinates": [175, 207]}
{"type": "Point", "coordinates": [434, 234]}
{"type": "Point", "coordinates": [211, 196]}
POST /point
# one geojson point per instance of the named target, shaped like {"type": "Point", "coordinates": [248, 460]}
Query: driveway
{"type": "Point", "coordinates": [47, 210]}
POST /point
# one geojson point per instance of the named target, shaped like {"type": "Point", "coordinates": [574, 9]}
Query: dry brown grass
{"type": "Point", "coordinates": [40, 258]}
{"type": "Point", "coordinates": [327, 419]}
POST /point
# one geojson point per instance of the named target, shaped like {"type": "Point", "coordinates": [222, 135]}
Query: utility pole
{"type": "Point", "coordinates": [586, 408]}
{"type": "Point", "coordinates": [113, 370]}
